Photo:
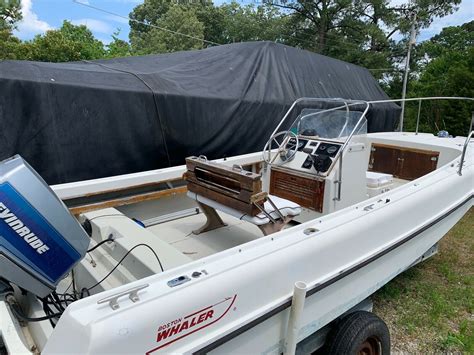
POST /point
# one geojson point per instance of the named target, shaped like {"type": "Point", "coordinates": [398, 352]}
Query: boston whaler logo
{"type": "Point", "coordinates": [23, 231]}
{"type": "Point", "coordinates": [183, 326]}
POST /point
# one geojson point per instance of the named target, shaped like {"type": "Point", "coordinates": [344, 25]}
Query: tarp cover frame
{"type": "Point", "coordinates": [85, 120]}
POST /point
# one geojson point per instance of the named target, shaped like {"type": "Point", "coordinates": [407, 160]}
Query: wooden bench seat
{"type": "Point", "coordinates": [237, 192]}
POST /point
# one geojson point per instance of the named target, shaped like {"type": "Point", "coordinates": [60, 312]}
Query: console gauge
{"type": "Point", "coordinates": [332, 149]}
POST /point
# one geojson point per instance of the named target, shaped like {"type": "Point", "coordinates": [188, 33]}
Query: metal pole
{"type": "Point", "coordinates": [466, 143]}
{"type": "Point", "coordinates": [472, 123]}
{"type": "Point", "coordinates": [463, 154]}
{"type": "Point", "coordinates": [418, 117]}
{"type": "Point", "coordinates": [407, 68]}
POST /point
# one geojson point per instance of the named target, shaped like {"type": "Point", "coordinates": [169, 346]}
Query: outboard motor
{"type": "Point", "coordinates": [40, 241]}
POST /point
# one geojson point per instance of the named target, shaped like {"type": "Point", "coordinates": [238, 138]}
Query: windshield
{"type": "Point", "coordinates": [329, 124]}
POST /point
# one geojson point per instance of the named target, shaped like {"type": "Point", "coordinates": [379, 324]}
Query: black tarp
{"type": "Point", "coordinates": [84, 120]}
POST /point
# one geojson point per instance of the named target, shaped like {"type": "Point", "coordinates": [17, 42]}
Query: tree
{"type": "Point", "coordinates": [447, 69]}
{"type": "Point", "coordinates": [313, 22]}
{"type": "Point", "coordinates": [9, 45]}
{"type": "Point", "coordinates": [10, 14]}
{"type": "Point", "coordinates": [359, 31]}
{"type": "Point", "coordinates": [251, 23]}
{"type": "Point", "coordinates": [176, 30]}
{"type": "Point", "coordinates": [149, 14]}
{"type": "Point", "coordinates": [69, 43]}
{"type": "Point", "coordinates": [426, 11]}
{"type": "Point", "coordinates": [118, 47]}
{"type": "Point", "coordinates": [353, 31]}
{"type": "Point", "coordinates": [213, 20]}
{"type": "Point", "coordinates": [223, 24]}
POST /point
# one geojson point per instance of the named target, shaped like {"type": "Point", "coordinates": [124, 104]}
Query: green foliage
{"type": "Point", "coordinates": [118, 47]}
{"type": "Point", "coordinates": [447, 70]}
{"type": "Point", "coordinates": [251, 23]}
{"type": "Point", "coordinates": [212, 18]}
{"type": "Point", "coordinates": [9, 45]}
{"type": "Point", "coordinates": [10, 14]}
{"type": "Point", "coordinates": [357, 31]}
{"type": "Point", "coordinates": [227, 23]}
{"type": "Point", "coordinates": [178, 18]}
{"type": "Point", "coordinates": [149, 12]}
{"type": "Point", "coordinates": [458, 39]}
{"type": "Point", "coordinates": [69, 43]}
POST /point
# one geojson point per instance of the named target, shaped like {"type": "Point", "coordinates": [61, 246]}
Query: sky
{"type": "Point", "coordinates": [42, 15]}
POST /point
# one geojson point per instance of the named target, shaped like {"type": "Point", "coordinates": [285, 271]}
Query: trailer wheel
{"type": "Point", "coordinates": [361, 333]}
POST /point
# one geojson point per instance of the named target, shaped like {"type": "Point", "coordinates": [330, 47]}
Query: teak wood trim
{"type": "Point", "coordinates": [303, 174]}
{"type": "Point", "coordinates": [402, 162]}
{"type": "Point", "coordinates": [242, 195]}
{"type": "Point", "coordinates": [305, 191]}
{"type": "Point", "coordinates": [414, 150]}
{"type": "Point", "coordinates": [125, 189]}
{"type": "Point", "coordinates": [244, 207]}
{"type": "Point", "coordinates": [247, 179]}
{"type": "Point", "coordinates": [238, 189]}
{"type": "Point", "coordinates": [128, 200]}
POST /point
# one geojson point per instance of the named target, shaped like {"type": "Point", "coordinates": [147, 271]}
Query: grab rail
{"type": "Point", "coordinates": [132, 294]}
{"type": "Point", "coordinates": [419, 99]}
{"type": "Point", "coordinates": [418, 117]}
{"type": "Point", "coordinates": [466, 143]}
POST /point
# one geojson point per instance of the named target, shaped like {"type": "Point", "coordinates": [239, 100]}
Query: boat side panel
{"type": "Point", "coordinates": [90, 187]}
{"type": "Point", "coordinates": [323, 306]}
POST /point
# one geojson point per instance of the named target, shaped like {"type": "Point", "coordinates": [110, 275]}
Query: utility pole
{"type": "Point", "coordinates": [411, 42]}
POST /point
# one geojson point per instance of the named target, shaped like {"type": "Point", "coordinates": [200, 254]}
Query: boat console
{"type": "Point", "coordinates": [322, 155]}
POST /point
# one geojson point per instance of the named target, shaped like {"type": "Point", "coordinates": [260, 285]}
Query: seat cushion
{"type": "Point", "coordinates": [375, 179]}
{"type": "Point", "coordinates": [286, 207]}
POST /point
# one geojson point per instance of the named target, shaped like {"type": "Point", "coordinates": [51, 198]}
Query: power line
{"type": "Point", "coordinates": [144, 23]}
{"type": "Point", "coordinates": [345, 43]}
{"type": "Point", "coordinates": [355, 50]}
{"type": "Point", "coordinates": [385, 69]}
{"type": "Point", "coordinates": [355, 46]}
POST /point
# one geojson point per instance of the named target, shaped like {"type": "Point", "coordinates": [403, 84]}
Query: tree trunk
{"type": "Point", "coordinates": [323, 25]}
{"type": "Point", "coordinates": [375, 20]}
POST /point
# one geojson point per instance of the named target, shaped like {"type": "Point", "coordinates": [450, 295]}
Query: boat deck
{"type": "Point", "coordinates": [179, 232]}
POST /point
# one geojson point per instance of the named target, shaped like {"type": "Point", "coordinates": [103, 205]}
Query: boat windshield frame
{"type": "Point", "coordinates": [346, 104]}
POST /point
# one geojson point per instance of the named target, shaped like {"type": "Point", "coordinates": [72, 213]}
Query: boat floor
{"type": "Point", "coordinates": [179, 232]}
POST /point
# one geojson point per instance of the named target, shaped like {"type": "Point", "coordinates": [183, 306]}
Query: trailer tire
{"type": "Point", "coordinates": [361, 333]}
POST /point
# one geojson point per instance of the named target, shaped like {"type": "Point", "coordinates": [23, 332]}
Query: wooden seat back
{"type": "Point", "coordinates": [231, 186]}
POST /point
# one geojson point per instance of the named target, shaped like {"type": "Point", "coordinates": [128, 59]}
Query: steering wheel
{"type": "Point", "coordinates": [285, 153]}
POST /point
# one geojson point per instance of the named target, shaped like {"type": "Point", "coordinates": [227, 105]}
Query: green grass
{"type": "Point", "coordinates": [430, 308]}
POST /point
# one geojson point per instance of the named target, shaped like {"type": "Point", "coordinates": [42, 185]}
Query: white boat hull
{"type": "Point", "coordinates": [352, 253]}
